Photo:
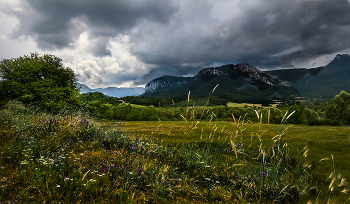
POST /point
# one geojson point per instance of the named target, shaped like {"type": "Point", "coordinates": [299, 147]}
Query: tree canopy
{"type": "Point", "coordinates": [39, 80]}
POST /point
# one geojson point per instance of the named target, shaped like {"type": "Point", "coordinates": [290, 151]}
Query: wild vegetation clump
{"type": "Point", "coordinates": [69, 158]}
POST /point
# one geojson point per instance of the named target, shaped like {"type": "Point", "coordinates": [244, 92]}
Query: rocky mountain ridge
{"type": "Point", "coordinates": [251, 75]}
{"type": "Point", "coordinates": [244, 83]}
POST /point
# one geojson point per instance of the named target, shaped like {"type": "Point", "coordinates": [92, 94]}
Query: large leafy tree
{"type": "Point", "coordinates": [39, 80]}
{"type": "Point", "coordinates": [342, 103]}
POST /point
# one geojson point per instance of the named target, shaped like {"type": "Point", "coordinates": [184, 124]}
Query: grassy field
{"type": "Point", "coordinates": [321, 141]}
{"type": "Point", "coordinates": [71, 158]}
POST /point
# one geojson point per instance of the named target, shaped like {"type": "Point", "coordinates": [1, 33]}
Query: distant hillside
{"type": "Point", "coordinates": [113, 91]}
{"type": "Point", "coordinates": [244, 83]}
{"type": "Point", "coordinates": [321, 83]}
{"type": "Point", "coordinates": [332, 78]}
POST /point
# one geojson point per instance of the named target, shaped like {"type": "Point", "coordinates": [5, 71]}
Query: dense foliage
{"type": "Point", "coordinates": [38, 80]}
{"type": "Point", "coordinates": [333, 112]}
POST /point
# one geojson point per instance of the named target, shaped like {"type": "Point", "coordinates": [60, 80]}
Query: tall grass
{"type": "Point", "coordinates": [70, 159]}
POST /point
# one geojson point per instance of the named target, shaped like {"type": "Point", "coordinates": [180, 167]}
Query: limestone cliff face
{"type": "Point", "coordinates": [251, 74]}
{"type": "Point", "coordinates": [209, 73]}
{"type": "Point", "coordinates": [255, 75]}
{"type": "Point", "coordinates": [164, 82]}
{"type": "Point", "coordinates": [156, 84]}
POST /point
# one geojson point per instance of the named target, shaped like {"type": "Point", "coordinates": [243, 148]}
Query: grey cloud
{"type": "Point", "coordinates": [259, 31]}
{"type": "Point", "coordinates": [329, 25]}
{"type": "Point", "coordinates": [50, 22]}
{"type": "Point", "coordinates": [99, 47]}
{"type": "Point", "coordinates": [90, 77]}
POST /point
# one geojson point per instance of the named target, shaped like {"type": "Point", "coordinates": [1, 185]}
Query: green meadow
{"type": "Point", "coordinates": [320, 141]}
{"type": "Point", "coordinates": [73, 158]}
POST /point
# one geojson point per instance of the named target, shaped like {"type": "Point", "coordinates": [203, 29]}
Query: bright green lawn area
{"type": "Point", "coordinates": [321, 141]}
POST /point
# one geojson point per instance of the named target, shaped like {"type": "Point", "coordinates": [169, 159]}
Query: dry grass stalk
{"type": "Point", "coordinates": [284, 116]}
{"type": "Point", "coordinates": [257, 114]}
{"type": "Point", "coordinates": [188, 97]}
{"type": "Point", "coordinates": [290, 115]}
{"type": "Point", "coordinates": [215, 88]}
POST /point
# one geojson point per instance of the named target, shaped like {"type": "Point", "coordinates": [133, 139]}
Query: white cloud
{"type": "Point", "coordinates": [120, 69]}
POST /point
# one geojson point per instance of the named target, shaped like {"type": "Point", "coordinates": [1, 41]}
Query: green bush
{"type": "Point", "coordinates": [39, 80]}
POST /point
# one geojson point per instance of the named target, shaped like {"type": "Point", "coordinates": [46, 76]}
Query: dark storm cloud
{"type": "Point", "coordinates": [53, 24]}
{"type": "Point", "coordinates": [267, 34]}
{"type": "Point", "coordinates": [325, 26]}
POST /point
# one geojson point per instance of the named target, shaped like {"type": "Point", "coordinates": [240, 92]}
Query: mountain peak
{"type": "Point", "coordinates": [340, 56]}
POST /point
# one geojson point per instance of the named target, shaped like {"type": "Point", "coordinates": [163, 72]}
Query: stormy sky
{"type": "Point", "coordinates": [127, 43]}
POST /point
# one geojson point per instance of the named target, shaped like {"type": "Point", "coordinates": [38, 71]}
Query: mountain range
{"type": "Point", "coordinates": [244, 83]}
{"type": "Point", "coordinates": [113, 91]}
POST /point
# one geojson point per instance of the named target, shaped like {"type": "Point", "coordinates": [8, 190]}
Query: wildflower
{"type": "Point", "coordinates": [207, 179]}
{"type": "Point", "coordinates": [112, 165]}
{"type": "Point", "coordinates": [344, 191]}
{"type": "Point", "coordinates": [207, 166]}
{"type": "Point", "coordinates": [122, 168]}
{"type": "Point", "coordinates": [58, 186]}
{"type": "Point", "coordinates": [24, 162]}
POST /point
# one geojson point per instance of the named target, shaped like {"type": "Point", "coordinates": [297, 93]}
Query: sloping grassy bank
{"type": "Point", "coordinates": [70, 159]}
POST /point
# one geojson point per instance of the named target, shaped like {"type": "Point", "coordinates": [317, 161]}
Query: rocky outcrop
{"type": "Point", "coordinates": [164, 82]}
{"type": "Point", "coordinates": [256, 75]}
{"type": "Point", "coordinates": [208, 74]}
{"type": "Point", "coordinates": [156, 84]}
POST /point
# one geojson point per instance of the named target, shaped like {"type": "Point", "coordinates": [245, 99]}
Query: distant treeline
{"type": "Point", "coordinates": [333, 112]}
